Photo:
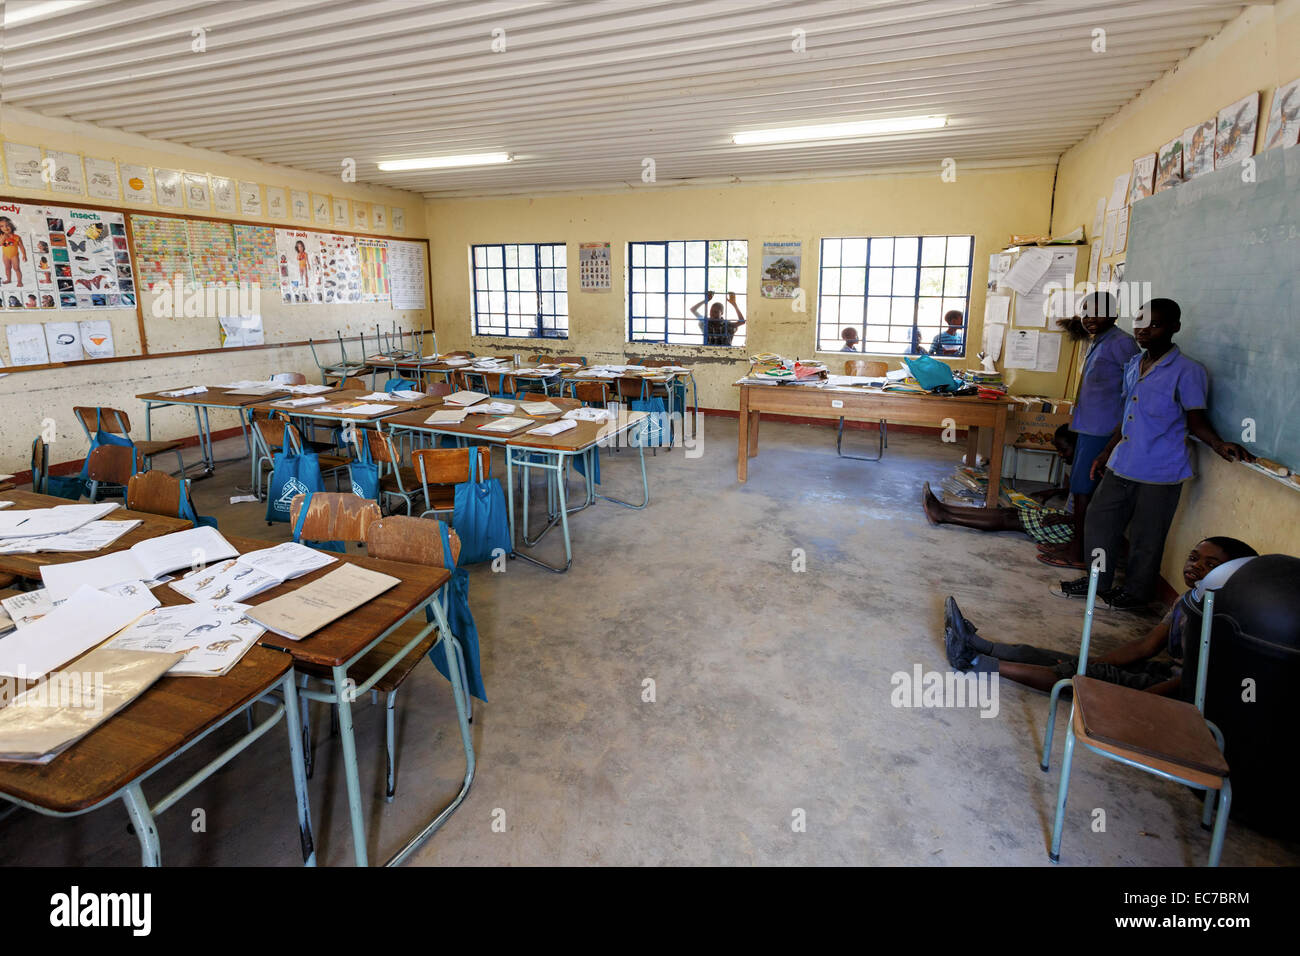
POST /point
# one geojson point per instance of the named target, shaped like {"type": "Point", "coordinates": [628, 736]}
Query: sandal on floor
{"type": "Point", "coordinates": [1056, 562]}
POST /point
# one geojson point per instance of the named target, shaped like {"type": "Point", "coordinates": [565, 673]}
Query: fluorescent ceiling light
{"type": "Point", "coordinates": [15, 13]}
{"type": "Point", "coordinates": [445, 162]}
{"type": "Point", "coordinates": [790, 134]}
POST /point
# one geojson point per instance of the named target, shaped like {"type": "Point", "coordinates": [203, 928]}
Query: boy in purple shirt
{"type": "Point", "coordinates": [1164, 396]}
{"type": "Point", "coordinates": [1096, 413]}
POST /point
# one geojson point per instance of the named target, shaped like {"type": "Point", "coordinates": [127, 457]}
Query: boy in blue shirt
{"type": "Point", "coordinates": [948, 342]}
{"type": "Point", "coordinates": [1096, 413]}
{"type": "Point", "coordinates": [1165, 395]}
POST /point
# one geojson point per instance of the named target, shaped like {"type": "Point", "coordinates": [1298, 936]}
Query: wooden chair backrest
{"type": "Point", "coordinates": [591, 392]}
{"type": "Point", "coordinates": [112, 420]}
{"type": "Point", "coordinates": [354, 384]}
{"type": "Point", "coordinates": [534, 397]}
{"type": "Point", "coordinates": [866, 368]}
{"type": "Point", "coordinates": [450, 466]}
{"type": "Point", "coordinates": [112, 463]}
{"type": "Point", "coordinates": [657, 363]}
{"type": "Point", "coordinates": [438, 388]}
{"type": "Point", "coordinates": [568, 359]}
{"type": "Point", "coordinates": [289, 378]}
{"type": "Point", "coordinates": [460, 353]}
{"type": "Point", "coordinates": [156, 492]}
{"type": "Point", "coordinates": [40, 463]}
{"type": "Point", "coordinates": [413, 540]}
{"type": "Point", "coordinates": [381, 446]}
{"type": "Point", "coordinates": [334, 516]}
{"type": "Point", "coordinates": [627, 387]}
{"type": "Point", "coordinates": [877, 369]}
{"type": "Point", "coordinates": [271, 431]}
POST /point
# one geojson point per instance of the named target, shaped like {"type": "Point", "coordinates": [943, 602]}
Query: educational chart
{"type": "Point", "coordinates": [162, 250]}
{"type": "Point", "coordinates": [318, 267]}
{"type": "Point", "coordinates": [256, 252]}
{"type": "Point", "coordinates": [373, 255]}
{"type": "Point", "coordinates": [781, 263]}
{"type": "Point", "coordinates": [406, 264]}
{"type": "Point", "coordinates": [593, 267]}
{"type": "Point", "coordinates": [56, 257]}
{"type": "Point", "coordinates": [213, 258]}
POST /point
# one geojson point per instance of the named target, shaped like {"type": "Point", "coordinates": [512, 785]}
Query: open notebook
{"type": "Point", "coordinates": [213, 636]}
{"type": "Point", "coordinates": [141, 562]}
{"type": "Point", "coordinates": [29, 523]}
{"type": "Point", "coordinates": [251, 573]}
{"type": "Point", "coordinates": [89, 537]}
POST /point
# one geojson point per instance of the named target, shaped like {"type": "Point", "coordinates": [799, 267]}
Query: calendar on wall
{"type": "Point", "coordinates": [593, 267]}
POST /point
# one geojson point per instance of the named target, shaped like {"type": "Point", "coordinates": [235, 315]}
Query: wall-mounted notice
{"type": "Point", "coordinates": [319, 267]}
{"type": "Point", "coordinates": [399, 219]}
{"type": "Point", "coordinates": [23, 165]}
{"type": "Point", "coordinates": [213, 258]}
{"type": "Point", "coordinates": [63, 341]}
{"type": "Point", "coordinates": [373, 256]}
{"type": "Point", "coordinates": [250, 198]}
{"type": "Point", "coordinates": [299, 205]}
{"type": "Point", "coordinates": [781, 263]}
{"type": "Point", "coordinates": [1022, 348]}
{"type": "Point", "coordinates": [593, 267]}
{"type": "Point", "coordinates": [58, 257]}
{"type": "Point", "coordinates": [137, 184]}
{"type": "Point", "coordinates": [239, 331]}
{"type": "Point", "coordinates": [340, 213]}
{"type": "Point", "coordinates": [101, 179]}
{"type": "Point", "coordinates": [198, 193]}
{"type": "Point", "coordinates": [162, 250]}
{"type": "Point", "coordinates": [97, 338]}
{"type": "Point", "coordinates": [277, 202]}
{"type": "Point", "coordinates": [65, 172]}
{"type": "Point", "coordinates": [27, 344]}
{"type": "Point", "coordinates": [256, 255]}
{"type": "Point", "coordinates": [225, 198]}
{"type": "Point", "coordinates": [406, 265]}
{"type": "Point", "coordinates": [320, 209]}
{"type": "Point", "coordinates": [169, 186]}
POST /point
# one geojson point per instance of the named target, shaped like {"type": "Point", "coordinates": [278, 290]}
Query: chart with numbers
{"type": "Point", "coordinates": [593, 267]}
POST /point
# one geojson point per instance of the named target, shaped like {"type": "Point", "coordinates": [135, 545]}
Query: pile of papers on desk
{"type": "Point", "coordinates": [92, 536]}
{"type": "Point", "coordinates": [60, 519]}
{"type": "Point", "coordinates": [586, 414]}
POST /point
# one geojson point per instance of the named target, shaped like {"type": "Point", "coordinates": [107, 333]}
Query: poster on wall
{"type": "Point", "coordinates": [197, 192]}
{"type": "Point", "coordinates": [361, 214]}
{"type": "Point", "coordinates": [299, 205]}
{"type": "Point", "coordinates": [225, 199]}
{"type": "Point", "coordinates": [137, 185]}
{"type": "Point", "coordinates": [57, 257]}
{"type": "Point", "coordinates": [317, 267]}
{"type": "Point", "coordinates": [406, 282]}
{"type": "Point", "coordinates": [213, 257]}
{"type": "Point", "coordinates": [65, 172]}
{"type": "Point", "coordinates": [256, 255]}
{"type": "Point", "coordinates": [340, 212]}
{"type": "Point", "coordinates": [63, 341]}
{"type": "Point", "coordinates": [320, 209]}
{"type": "Point", "coordinates": [1234, 137]}
{"type": "Point", "coordinates": [240, 331]}
{"type": "Point", "coordinates": [1283, 116]}
{"type": "Point", "coordinates": [293, 253]}
{"type": "Point", "coordinates": [277, 202]}
{"type": "Point", "coordinates": [168, 183]}
{"type": "Point", "coordinates": [101, 179]}
{"type": "Point", "coordinates": [398, 217]}
{"type": "Point", "coordinates": [379, 218]}
{"type": "Point", "coordinates": [96, 338]}
{"type": "Point", "coordinates": [162, 250]}
{"type": "Point", "coordinates": [27, 344]}
{"type": "Point", "coordinates": [780, 276]}
{"type": "Point", "coordinates": [23, 166]}
{"type": "Point", "coordinates": [340, 268]}
{"type": "Point", "coordinates": [373, 257]}
{"type": "Point", "coordinates": [250, 199]}
{"type": "Point", "coordinates": [593, 267]}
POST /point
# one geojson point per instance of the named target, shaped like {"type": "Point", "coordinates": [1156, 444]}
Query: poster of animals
{"type": "Point", "coordinates": [1235, 136]}
{"type": "Point", "coordinates": [318, 267]}
{"type": "Point", "coordinates": [56, 257]}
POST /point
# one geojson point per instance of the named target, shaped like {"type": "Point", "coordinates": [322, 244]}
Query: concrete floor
{"type": "Point", "coordinates": [772, 696]}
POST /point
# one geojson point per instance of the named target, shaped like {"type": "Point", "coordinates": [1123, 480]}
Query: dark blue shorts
{"type": "Point", "coordinates": [1086, 450]}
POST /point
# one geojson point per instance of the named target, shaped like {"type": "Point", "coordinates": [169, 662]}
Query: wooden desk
{"type": "Point", "coordinates": [29, 565]}
{"type": "Point", "coordinates": [201, 402]}
{"type": "Point", "coordinates": [861, 405]}
{"type": "Point", "coordinates": [414, 420]}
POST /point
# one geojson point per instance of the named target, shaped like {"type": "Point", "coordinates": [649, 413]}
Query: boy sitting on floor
{"type": "Point", "coordinates": [1141, 664]}
{"type": "Point", "coordinates": [1045, 525]}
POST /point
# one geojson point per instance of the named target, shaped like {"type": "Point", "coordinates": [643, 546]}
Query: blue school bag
{"type": "Point", "coordinates": [292, 475]}
{"type": "Point", "coordinates": [654, 433]}
{"type": "Point", "coordinates": [480, 516]}
{"type": "Point", "coordinates": [74, 488]}
{"type": "Point", "coordinates": [463, 628]}
{"type": "Point", "coordinates": [187, 509]}
{"type": "Point", "coordinates": [931, 374]}
{"type": "Point", "coordinates": [364, 472]}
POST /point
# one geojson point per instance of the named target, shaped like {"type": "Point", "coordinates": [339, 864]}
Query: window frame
{"type": "Point", "coordinates": [539, 329]}
{"type": "Point", "coordinates": [916, 291]}
{"type": "Point", "coordinates": [632, 338]}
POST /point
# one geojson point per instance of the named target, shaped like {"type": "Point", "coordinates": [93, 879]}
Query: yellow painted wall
{"type": "Point", "coordinates": [27, 398]}
{"type": "Point", "coordinates": [1259, 50]}
{"type": "Point", "coordinates": [990, 204]}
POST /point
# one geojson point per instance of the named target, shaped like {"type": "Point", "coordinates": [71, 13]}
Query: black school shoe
{"type": "Point", "coordinates": [1078, 588]}
{"type": "Point", "coordinates": [960, 654]}
{"type": "Point", "coordinates": [1117, 599]}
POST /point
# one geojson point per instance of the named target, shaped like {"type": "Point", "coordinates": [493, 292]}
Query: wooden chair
{"type": "Point", "coordinates": [355, 385]}
{"type": "Point", "coordinates": [40, 464]}
{"type": "Point", "coordinates": [111, 465]}
{"type": "Point", "coordinates": [395, 479]}
{"type": "Point", "coordinates": [289, 378]}
{"type": "Point", "coordinates": [1168, 738]}
{"type": "Point", "coordinates": [496, 384]}
{"type": "Point", "coordinates": [439, 470]}
{"type": "Point", "coordinates": [159, 493]}
{"type": "Point", "coordinates": [459, 353]}
{"type": "Point", "coordinates": [334, 516]}
{"type": "Point", "coordinates": [591, 393]}
{"type": "Point", "coordinates": [116, 422]}
{"type": "Point", "coordinates": [569, 359]}
{"type": "Point", "coordinates": [437, 388]}
{"type": "Point", "coordinates": [867, 369]}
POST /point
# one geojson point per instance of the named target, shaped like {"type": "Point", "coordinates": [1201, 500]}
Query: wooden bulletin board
{"type": "Point", "coordinates": [156, 325]}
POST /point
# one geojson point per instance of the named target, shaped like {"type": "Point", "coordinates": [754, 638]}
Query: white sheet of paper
{"type": "Point", "coordinates": [1031, 310]}
{"type": "Point", "coordinates": [1094, 258]}
{"type": "Point", "coordinates": [1119, 190]}
{"type": "Point", "coordinates": [56, 520]}
{"type": "Point", "coordinates": [1121, 231]}
{"type": "Point", "coordinates": [992, 344]}
{"type": "Point", "coordinates": [1028, 269]}
{"type": "Point", "coordinates": [447, 416]}
{"type": "Point", "coordinates": [86, 619]}
{"type": "Point", "coordinates": [63, 340]}
{"type": "Point", "coordinates": [539, 408]}
{"type": "Point", "coordinates": [1108, 243]}
{"type": "Point", "coordinates": [505, 425]}
{"type": "Point", "coordinates": [1049, 352]}
{"type": "Point", "coordinates": [27, 344]}
{"type": "Point", "coordinates": [1022, 348]}
{"type": "Point", "coordinates": [553, 428]}
{"type": "Point", "coordinates": [464, 398]}
{"type": "Point", "coordinates": [1098, 219]}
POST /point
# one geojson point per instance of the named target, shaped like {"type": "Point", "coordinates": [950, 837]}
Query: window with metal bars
{"type": "Point", "coordinates": [666, 280]}
{"type": "Point", "coordinates": [888, 295]}
{"type": "Point", "coordinates": [521, 289]}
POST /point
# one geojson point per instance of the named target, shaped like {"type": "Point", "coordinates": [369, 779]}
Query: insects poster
{"type": "Point", "coordinates": [57, 257]}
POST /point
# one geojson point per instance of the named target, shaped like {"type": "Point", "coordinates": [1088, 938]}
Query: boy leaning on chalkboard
{"type": "Point", "coordinates": [1147, 460]}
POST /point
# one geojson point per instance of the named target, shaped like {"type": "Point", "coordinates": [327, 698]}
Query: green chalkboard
{"type": "Point", "coordinates": [1227, 249]}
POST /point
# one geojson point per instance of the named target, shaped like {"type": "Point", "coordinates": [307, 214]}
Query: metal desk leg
{"type": "Point", "coordinates": [137, 808]}
{"type": "Point", "coordinates": [298, 766]}
{"type": "Point", "coordinates": [645, 482]}
{"type": "Point", "coordinates": [342, 691]}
